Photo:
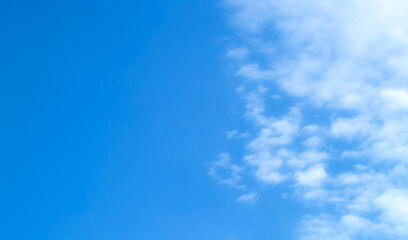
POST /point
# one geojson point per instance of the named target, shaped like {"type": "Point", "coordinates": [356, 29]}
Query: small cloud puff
{"type": "Point", "coordinates": [312, 177]}
{"type": "Point", "coordinates": [236, 134]}
{"type": "Point", "coordinates": [226, 172]}
{"type": "Point", "coordinates": [248, 198]}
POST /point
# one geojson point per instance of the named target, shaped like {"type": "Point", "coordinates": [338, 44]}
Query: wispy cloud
{"type": "Point", "coordinates": [248, 198]}
{"type": "Point", "coordinates": [343, 66]}
{"type": "Point", "coordinates": [225, 172]}
{"type": "Point", "coordinates": [235, 134]}
{"type": "Point", "coordinates": [238, 53]}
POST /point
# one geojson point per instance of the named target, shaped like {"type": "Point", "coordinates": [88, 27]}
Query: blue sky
{"type": "Point", "coordinates": [212, 120]}
{"type": "Point", "coordinates": [111, 111]}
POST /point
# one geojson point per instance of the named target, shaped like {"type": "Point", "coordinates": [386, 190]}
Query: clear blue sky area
{"type": "Point", "coordinates": [111, 112]}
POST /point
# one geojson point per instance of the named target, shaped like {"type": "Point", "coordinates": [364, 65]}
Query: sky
{"type": "Point", "coordinates": [204, 120]}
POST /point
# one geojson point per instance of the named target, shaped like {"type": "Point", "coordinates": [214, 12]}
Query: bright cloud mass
{"type": "Point", "coordinates": [343, 66]}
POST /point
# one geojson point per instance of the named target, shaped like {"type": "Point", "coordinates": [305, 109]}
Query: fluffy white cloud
{"type": "Point", "coordinates": [343, 64]}
{"type": "Point", "coordinates": [312, 177]}
{"type": "Point", "coordinates": [394, 210]}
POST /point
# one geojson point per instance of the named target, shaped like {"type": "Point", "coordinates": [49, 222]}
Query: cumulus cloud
{"type": "Point", "coordinates": [343, 66]}
{"type": "Point", "coordinates": [312, 177]}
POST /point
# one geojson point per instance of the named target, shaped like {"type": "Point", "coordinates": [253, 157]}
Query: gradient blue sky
{"type": "Point", "coordinates": [111, 111]}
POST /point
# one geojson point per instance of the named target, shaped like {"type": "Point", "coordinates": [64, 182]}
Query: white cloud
{"type": "Point", "coordinates": [252, 71]}
{"type": "Point", "coordinates": [395, 98]}
{"type": "Point", "coordinates": [311, 128]}
{"type": "Point", "coordinates": [235, 134]}
{"type": "Point", "coordinates": [225, 172]}
{"type": "Point", "coordinates": [238, 54]}
{"type": "Point", "coordinates": [313, 141]}
{"type": "Point", "coordinates": [394, 210]}
{"type": "Point", "coordinates": [351, 127]}
{"type": "Point", "coordinates": [312, 177]}
{"type": "Point", "coordinates": [343, 65]}
{"type": "Point", "coordinates": [248, 198]}
{"type": "Point", "coordinates": [232, 134]}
